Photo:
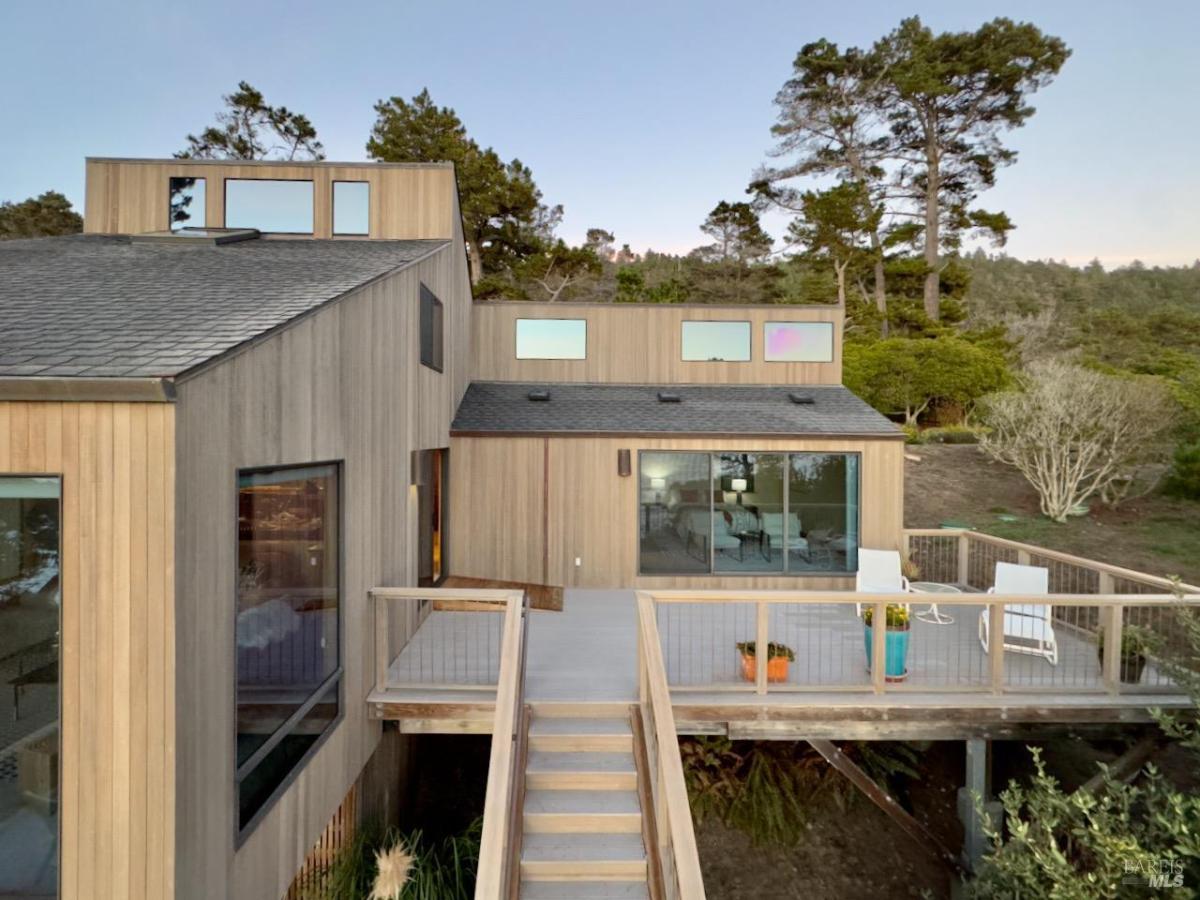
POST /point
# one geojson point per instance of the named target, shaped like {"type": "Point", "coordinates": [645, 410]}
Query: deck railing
{"type": "Point", "coordinates": [674, 854]}
{"type": "Point", "coordinates": [499, 851]}
{"type": "Point", "coordinates": [460, 648]}
{"type": "Point", "coordinates": [834, 650]}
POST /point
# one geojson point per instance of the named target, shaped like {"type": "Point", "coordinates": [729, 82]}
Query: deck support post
{"type": "Point", "coordinates": [976, 793]}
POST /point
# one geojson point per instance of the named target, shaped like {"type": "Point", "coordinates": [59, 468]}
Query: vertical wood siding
{"type": "Point", "coordinates": [117, 706]}
{"type": "Point", "coordinates": [500, 484]}
{"type": "Point", "coordinates": [344, 384]}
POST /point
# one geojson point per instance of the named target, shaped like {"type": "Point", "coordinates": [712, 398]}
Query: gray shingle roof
{"type": "Point", "coordinates": [505, 408]}
{"type": "Point", "coordinates": [105, 306]}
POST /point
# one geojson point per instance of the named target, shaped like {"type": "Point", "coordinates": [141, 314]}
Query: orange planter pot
{"type": "Point", "coordinates": [777, 668]}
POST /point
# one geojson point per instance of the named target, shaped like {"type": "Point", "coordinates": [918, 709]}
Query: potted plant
{"type": "Point", "coordinates": [1134, 648]}
{"type": "Point", "coordinates": [896, 649]}
{"type": "Point", "coordinates": [778, 658]}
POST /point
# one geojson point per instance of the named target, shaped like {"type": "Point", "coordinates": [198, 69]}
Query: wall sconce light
{"type": "Point", "coordinates": [624, 464]}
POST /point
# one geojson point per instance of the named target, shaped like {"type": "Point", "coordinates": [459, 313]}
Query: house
{"type": "Point", "coordinates": [252, 418]}
{"type": "Point", "coordinates": [209, 441]}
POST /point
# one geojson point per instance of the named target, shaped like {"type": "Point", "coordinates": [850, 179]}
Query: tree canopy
{"type": "Point", "coordinates": [47, 215]}
{"type": "Point", "coordinates": [250, 128]}
{"type": "Point", "coordinates": [915, 121]}
{"type": "Point", "coordinates": [504, 218]}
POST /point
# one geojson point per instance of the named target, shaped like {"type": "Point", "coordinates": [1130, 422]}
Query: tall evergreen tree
{"type": "Point", "coordinates": [504, 219]}
{"type": "Point", "coordinates": [739, 241]}
{"type": "Point", "coordinates": [831, 122]}
{"type": "Point", "coordinates": [949, 97]}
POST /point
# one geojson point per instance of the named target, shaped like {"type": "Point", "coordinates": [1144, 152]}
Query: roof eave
{"type": "Point", "coordinates": [733, 435]}
{"type": "Point", "coordinates": [84, 390]}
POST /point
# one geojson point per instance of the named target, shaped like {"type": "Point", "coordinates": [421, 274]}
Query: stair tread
{"type": "Point", "coordinates": [579, 761]}
{"type": "Point", "coordinates": [582, 802]}
{"type": "Point", "coordinates": [572, 726]}
{"type": "Point", "coordinates": [592, 847]}
{"type": "Point", "coordinates": [584, 890]}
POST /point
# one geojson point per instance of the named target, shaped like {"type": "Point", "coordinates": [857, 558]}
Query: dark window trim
{"type": "Point", "coordinates": [333, 209]}
{"type": "Point", "coordinates": [62, 603]}
{"type": "Point", "coordinates": [437, 342]}
{"type": "Point", "coordinates": [800, 362]}
{"type": "Point", "coordinates": [170, 220]}
{"type": "Point", "coordinates": [568, 359]}
{"type": "Point", "coordinates": [242, 833]}
{"type": "Point", "coordinates": [749, 339]}
{"type": "Point", "coordinates": [782, 573]}
{"type": "Point", "coordinates": [225, 203]}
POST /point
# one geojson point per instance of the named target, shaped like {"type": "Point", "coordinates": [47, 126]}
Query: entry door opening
{"type": "Point", "coordinates": [431, 516]}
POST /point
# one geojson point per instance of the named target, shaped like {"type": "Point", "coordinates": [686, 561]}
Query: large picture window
{"type": "Point", "coordinates": [288, 625]}
{"type": "Point", "coordinates": [798, 341]}
{"type": "Point", "coordinates": [752, 513]}
{"type": "Point", "coordinates": [30, 602]}
{"type": "Point", "coordinates": [716, 341]}
{"type": "Point", "coordinates": [270, 205]}
{"type": "Point", "coordinates": [551, 338]}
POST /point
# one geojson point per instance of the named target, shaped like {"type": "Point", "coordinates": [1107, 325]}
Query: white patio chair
{"type": "Point", "coordinates": [1029, 623]}
{"type": "Point", "coordinates": [879, 573]}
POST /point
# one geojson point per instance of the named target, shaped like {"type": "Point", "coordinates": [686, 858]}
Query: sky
{"type": "Point", "coordinates": [637, 117]}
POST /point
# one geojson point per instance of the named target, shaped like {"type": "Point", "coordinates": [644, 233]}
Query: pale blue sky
{"type": "Point", "coordinates": [638, 117]}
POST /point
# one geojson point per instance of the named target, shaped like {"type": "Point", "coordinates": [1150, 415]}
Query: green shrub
{"type": "Point", "coordinates": [912, 434]}
{"type": "Point", "coordinates": [951, 434]}
{"type": "Point", "coordinates": [1184, 479]}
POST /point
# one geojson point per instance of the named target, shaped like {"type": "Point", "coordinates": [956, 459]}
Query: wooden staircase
{"type": "Point", "coordinates": [583, 832]}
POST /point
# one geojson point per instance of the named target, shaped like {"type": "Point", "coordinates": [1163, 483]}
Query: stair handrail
{"type": "Point", "coordinates": [495, 875]}
{"type": "Point", "coordinates": [678, 854]}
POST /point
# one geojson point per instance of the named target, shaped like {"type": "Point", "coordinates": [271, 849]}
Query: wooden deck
{"type": "Point", "coordinates": [587, 654]}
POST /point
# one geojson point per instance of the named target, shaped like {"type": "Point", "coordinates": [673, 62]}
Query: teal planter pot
{"type": "Point", "coordinates": [895, 654]}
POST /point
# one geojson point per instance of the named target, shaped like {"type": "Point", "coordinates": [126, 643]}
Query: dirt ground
{"type": "Point", "coordinates": [959, 485]}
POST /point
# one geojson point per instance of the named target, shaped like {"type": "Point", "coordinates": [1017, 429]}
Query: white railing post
{"type": "Point", "coordinates": [382, 642]}
{"type": "Point", "coordinates": [879, 647]}
{"type": "Point", "coordinates": [964, 559]}
{"type": "Point", "coordinates": [996, 646]}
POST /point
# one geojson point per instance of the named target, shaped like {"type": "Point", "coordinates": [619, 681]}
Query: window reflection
{"type": "Point", "coordinates": [283, 207]}
{"type": "Point", "coordinates": [551, 338]}
{"type": "Point", "coordinates": [29, 665]}
{"type": "Point", "coordinates": [675, 512]}
{"type": "Point", "coordinates": [716, 341]}
{"type": "Point", "coordinates": [798, 341]}
{"type": "Point", "coordinates": [351, 207]}
{"type": "Point", "coordinates": [187, 203]}
{"type": "Point", "coordinates": [793, 513]}
{"type": "Point", "coordinates": [287, 622]}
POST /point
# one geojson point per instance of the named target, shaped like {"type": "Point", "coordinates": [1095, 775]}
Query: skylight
{"type": "Point", "coordinates": [207, 236]}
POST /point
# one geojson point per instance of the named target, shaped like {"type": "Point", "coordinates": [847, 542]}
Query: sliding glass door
{"type": "Point", "coordinates": [754, 513]}
{"type": "Point", "coordinates": [30, 601]}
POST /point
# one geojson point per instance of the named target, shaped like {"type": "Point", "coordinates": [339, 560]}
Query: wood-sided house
{"type": "Point", "coordinates": [249, 393]}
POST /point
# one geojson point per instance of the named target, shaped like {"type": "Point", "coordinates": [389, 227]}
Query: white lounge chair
{"type": "Point", "coordinates": [1029, 623]}
{"type": "Point", "coordinates": [879, 573]}
{"type": "Point", "coordinates": [772, 524]}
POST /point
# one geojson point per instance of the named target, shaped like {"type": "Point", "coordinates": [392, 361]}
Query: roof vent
{"type": "Point", "coordinates": [539, 395]}
{"type": "Point", "coordinates": [801, 399]}
{"type": "Point", "coordinates": [665, 397]}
